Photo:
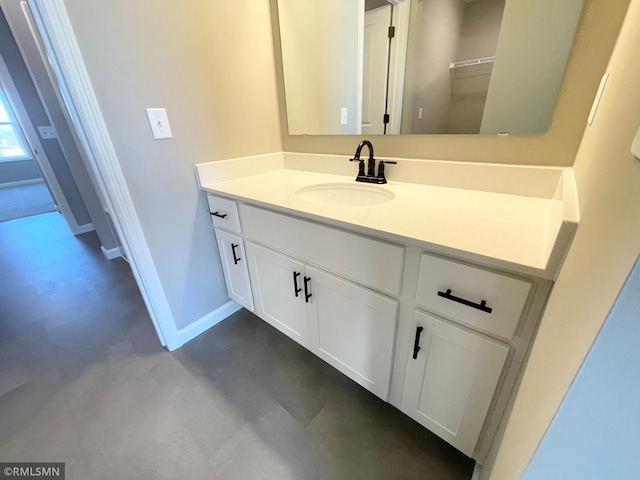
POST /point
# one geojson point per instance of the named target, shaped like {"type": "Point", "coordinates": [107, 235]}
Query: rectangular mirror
{"type": "Point", "coordinates": [373, 67]}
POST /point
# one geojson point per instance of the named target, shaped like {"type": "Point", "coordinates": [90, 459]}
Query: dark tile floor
{"type": "Point", "coordinates": [83, 380]}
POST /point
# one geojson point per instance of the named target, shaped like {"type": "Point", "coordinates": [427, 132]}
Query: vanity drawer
{"type": "Point", "coordinates": [481, 299]}
{"type": "Point", "coordinates": [372, 263]}
{"type": "Point", "coordinates": [224, 213]}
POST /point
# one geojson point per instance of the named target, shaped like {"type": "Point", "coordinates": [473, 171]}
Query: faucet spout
{"type": "Point", "coordinates": [371, 163]}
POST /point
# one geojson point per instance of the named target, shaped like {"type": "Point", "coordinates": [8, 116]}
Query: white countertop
{"type": "Point", "coordinates": [523, 233]}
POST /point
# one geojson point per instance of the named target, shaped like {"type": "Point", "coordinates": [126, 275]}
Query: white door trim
{"type": "Point", "coordinates": [397, 64]}
{"type": "Point", "coordinates": [73, 79]}
{"type": "Point", "coordinates": [360, 75]}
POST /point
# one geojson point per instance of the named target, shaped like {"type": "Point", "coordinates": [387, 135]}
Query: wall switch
{"type": "Point", "coordinates": [635, 146]}
{"type": "Point", "coordinates": [47, 132]}
{"type": "Point", "coordinates": [159, 123]}
{"type": "Point", "coordinates": [343, 116]}
{"type": "Point", "coordinates": [420, 113]}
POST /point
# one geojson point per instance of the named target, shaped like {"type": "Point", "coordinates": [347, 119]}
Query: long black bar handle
{"type": "Point", "coordinates": [296, 289]}
{"type": "Point", "coordinates": [233, 252]}
{"type": "Point", "coordinates": [307, 294]}
{"type": "Point", "coordinates": [480, 306]}
{"type": "Point", "coordinates": [219, 215]}
{"type": "Point", "coordinates": [416, 342]}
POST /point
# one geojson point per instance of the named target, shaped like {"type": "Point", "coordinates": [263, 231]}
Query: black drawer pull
{"type": "Point", "coordinates": [219, 215]}
{"type": "Point", "coordinates": [307, 294]}
{"type": "Point", "coordinates": [480, 306]}
{"type": "Point", "coordinates": [416, 342]}
{"type": "Point", "coordinates": [233, 252]}
{"type": "Point", "coordinates": [296, 289]}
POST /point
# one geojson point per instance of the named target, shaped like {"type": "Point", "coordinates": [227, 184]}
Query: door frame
{"type": "Point", "coordinates": [376, 126]}
{"type": "Point", "coordinates": [400, 12]}
{"type": "Point", "coordinates": [397, 64]}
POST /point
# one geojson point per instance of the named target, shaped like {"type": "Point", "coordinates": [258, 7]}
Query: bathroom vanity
{"type": "Point", "coordinates": [426, 291]}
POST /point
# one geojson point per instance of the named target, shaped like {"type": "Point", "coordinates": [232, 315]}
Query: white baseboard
{"type": "Point", "coordinates": [209, 320]}
{"type": "Point", "coordinates": [80, 229]}
{"type": "Point", "coordinates": [111, 253]}
{"type": "Point", "coordinates": [21, 182]}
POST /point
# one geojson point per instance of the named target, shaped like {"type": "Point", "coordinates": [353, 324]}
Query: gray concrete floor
{"type": "Point", "coordinates": [84, 380]}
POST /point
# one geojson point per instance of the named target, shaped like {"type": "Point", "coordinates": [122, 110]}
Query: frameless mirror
{"type": "Point", "coordinates": [423, 66]}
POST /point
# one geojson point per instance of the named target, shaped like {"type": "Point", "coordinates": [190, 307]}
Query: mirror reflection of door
{"type": "Point", "coordinates": [375, 66]}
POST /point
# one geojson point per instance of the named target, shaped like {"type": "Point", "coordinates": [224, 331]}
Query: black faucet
{"type": "Point", "coordinates": [371, 163]}
{"type": "Point", "coordinates": [370, 176]}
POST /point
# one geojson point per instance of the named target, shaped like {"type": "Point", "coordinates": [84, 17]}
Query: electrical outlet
{"type": "Point", "coordinates": [159, 123]}
{"type": "Point", "coordinates": [47, 133]}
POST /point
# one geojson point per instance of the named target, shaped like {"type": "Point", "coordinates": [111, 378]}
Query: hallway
{"type": "Point", "coordinates": [84, 380]}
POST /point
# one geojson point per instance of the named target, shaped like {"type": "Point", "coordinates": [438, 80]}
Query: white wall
{"type": "Point", "coordinates": [210, 64]}
{"type": "Point", "coordinates": [602, 254]}
{"type": "Point", "coordinates": [480, 29]}
{"type": "Point", "coordinates": [322, 67]}
{"type": "Point", "coordinates": [534, 45]}
{"type": "Point", "coordinates": [431, 51]}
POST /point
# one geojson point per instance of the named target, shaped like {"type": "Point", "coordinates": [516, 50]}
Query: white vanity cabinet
{"type": "Point", "coordinates": [353, 329]}
{"type": "Point", "coordinates": [224, 213]}
{"type": "Point", "coordinates": [450, 380]}
{"type": "Point", "coordinates": [454, 366]}
{"type": "Point", "coordinates": [278, 291]}
{"type": "Point", "coordinates": [359, 302]}
{"type": "Point", "coordinates": [349, 326]}
{"type": "Point", "coordinates": [234, 267]}
{"type": "Point", "coordinates": [226, 222]}
{"type": "Point", "coordinates": [481, 299]}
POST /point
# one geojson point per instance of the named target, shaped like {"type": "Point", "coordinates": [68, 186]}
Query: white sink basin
{"type": "Point", "coordinates": [345, 195]}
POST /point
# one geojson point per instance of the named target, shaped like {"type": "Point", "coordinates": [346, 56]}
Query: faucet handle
{"type": "Point", "coordinates": [360, 167]}
{"type": "Point", "coordinates": [381, 177]}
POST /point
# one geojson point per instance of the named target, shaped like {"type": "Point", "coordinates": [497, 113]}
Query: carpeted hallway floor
{"type": "Point", "coordinates": [24, 201]}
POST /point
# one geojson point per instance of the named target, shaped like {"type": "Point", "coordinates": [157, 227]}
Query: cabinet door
{"type": "Point", "coordinates": [278, 292]}
{"type": "Point", "coordinates": [353, 329]}
{"type": "Point", "coordinates": [449, 386]}
{"type": "Point", "coordinates": [234, 267]}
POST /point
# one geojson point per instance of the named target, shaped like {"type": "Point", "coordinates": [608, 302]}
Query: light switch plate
{"type": "Point", "coordinates": [159, 123]}
{"type": "Point", "coordinates": [635, 145]}
{"type": "Point", "coordinates": [343, 116]}
{"type": "Point", "coordinates": [47, 132]}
